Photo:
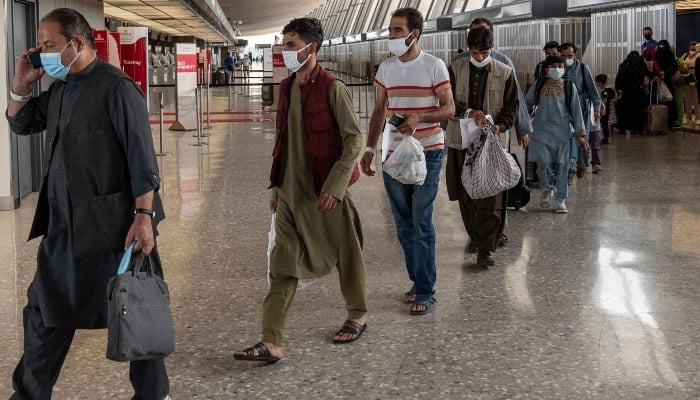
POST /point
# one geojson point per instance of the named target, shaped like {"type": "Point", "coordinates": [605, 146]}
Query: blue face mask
{"type": "Point", "coordinates": [52, 64]}
{"type": "Point", "coordinates": [556, 73]}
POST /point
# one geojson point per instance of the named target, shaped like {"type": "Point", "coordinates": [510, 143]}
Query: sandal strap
{"type": "Point", "coordinates": [351, 327]}
{"type": "Point", "coordinates": [260, 347]}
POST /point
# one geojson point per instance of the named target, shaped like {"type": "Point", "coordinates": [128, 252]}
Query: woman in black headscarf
{"type": "Point", "coordinates": [632, 97]}
{"type": "Point", "coordinates": [669, 67]}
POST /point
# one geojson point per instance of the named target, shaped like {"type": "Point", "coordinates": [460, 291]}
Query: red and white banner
{"type": "Point", "coordinates": [134, 45]}
{"type": "Point", "coordinates": [279, 71]}
{"type": "Point", "coordinates": [108, 46]}
{"type": "Point", "coordinates": [185, 86]}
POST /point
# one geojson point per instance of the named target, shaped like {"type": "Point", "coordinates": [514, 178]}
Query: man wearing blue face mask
{"type": "Point", "coordinates": [416, 86]}
{"type": "Point", "coordinates": [99, 194]}
{"type": "Point", "coordinates": [313, 164]}
{"type": "Point", "coordinates": [557, 118]}
{"type": "Point", "coordinates": [588, 95]}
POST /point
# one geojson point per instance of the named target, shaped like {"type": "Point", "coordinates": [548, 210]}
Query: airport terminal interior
{"type": "Point", "coordinates": [602, 302]}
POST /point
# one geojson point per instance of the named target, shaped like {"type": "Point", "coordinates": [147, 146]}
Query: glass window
{"type": "Point", "coordinates": [438, 8]}
{"type": "Point", "coordinates": [458, 6]}
{"type": "Point", "coordinates": [380, 15]}
{"type": "Point", "coordinates": [474, 5]}
{"type": "Point", "coordinates": [424, 7]}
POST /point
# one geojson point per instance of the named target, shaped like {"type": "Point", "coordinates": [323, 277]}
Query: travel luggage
{"type": "Point", "coordinates": [267, 95]}
{"type": "Point", "coordinates": [657, 115]}
{"type": "Point", "coordinates": [531, 178]}
{"type": "Point", "coordinates": [519, 195]}
{"type": "Point", "coordinates": [221, 76]}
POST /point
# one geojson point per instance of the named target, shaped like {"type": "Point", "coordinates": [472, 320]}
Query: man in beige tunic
{"type": "Point", "coordinates": [314, 161]}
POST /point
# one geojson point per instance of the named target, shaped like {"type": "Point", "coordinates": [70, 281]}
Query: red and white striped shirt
{"type": "Point", "coordinates": [412, 87]}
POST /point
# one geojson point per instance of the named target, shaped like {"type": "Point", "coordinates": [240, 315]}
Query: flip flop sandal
{"type": "Point", "coordinates": [263, 355]}
{"type": "Point", "coordinates": [428, 304]}
{"type": "Point", "coordinates": [352, 328]}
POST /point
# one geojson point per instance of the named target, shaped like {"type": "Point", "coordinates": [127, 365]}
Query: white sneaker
{"type": "Point", "coordinates": [560, 207]}
{"type": "Point", "coordinates": [167, 397]}
{"type": "Point", "coordinates": [546, 200]}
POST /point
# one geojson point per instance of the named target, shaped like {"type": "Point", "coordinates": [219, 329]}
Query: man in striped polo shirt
{"type": "Point", "coordinates": [415, 85]}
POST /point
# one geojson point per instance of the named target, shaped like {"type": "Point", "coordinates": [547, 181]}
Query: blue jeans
{"type": "Point", "coordinates": [412, 207]}
{"type": "Point", "coordinates": [552, 174]}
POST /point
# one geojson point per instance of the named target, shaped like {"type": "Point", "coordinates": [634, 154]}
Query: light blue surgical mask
{"type": "Point", "coordinates": [52, 64]}
{"type": "Point", "coordinates": [556, 73]}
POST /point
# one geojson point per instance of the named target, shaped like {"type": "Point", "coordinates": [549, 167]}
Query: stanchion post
{"type": "Point", "coordinates": [366, 102]}
{"type": "Point", "coordinates": [160, 104]}
{"type": "Point", "coordinates": [198, 109]}
{"type": "Point", "coordinates": [208, 110]}
{"type": "Point", "coordinates": [228, 85]}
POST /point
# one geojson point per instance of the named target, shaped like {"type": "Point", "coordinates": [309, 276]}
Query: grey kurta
{"type": "Point", "coordinates": [308, 242]}
{"type": "Point", "coordinates": [72, 292]}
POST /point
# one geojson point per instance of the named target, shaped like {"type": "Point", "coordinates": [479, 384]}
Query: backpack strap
{"type": "Point", "coordinates": [568, 93]}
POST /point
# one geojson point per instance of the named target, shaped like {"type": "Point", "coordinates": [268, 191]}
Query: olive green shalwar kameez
{"type": "Point", "coordinates": [310, 243]}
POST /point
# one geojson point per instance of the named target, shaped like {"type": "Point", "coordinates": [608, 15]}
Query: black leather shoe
{"type": "Point", "coordinates": [485, 259]}
{"type": "Point", "coordinates": [471, 248]}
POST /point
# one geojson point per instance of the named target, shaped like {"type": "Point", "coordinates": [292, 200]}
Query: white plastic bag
{"type": "Point", "coordinates": [407, 163]}
{"type": "Point", "coordinates": [665, 94]}
{"type": "Point", "coordinates": [595, 123]}
{"type": "Point", "coordinates": [271, 237]}
{"type": "Point", "coordinates": [470, 131]}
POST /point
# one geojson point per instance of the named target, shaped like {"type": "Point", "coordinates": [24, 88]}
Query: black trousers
{"type": "Point", "coordinates": [45, 349]}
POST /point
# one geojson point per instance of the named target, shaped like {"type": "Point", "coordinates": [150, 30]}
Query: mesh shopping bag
{"type": "Point", "coordinates": [490, 170]}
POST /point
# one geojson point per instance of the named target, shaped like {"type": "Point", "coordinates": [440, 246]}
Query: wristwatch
{"type": "Point", "coordinates": [146, 211]}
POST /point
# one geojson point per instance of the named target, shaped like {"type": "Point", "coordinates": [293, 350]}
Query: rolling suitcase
{"type": "Point", "coordinates": [531, 178]}
{"type": "Point", "coordinates": [657, 115]}
{"type": "Point", "coordinates": [519, 195]}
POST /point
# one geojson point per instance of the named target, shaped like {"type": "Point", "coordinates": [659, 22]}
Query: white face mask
{"type": "Point", "coordinates": [480, 64]}
{"type": "Point", "coordinates": [398, 46]}
{"type": "Point", "coordinates": [291, 61]}
{"type": "Point", "coordinates": [569, 62]}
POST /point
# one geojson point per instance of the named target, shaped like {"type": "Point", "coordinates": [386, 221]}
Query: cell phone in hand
{"type": "Point", "coordinates": [35, 59]}
{"type": "Point", "coordinates": [397, 120]}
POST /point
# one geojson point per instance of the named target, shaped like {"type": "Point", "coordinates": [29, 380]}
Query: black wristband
{"type": "Point", "coordinates": [146, 211]}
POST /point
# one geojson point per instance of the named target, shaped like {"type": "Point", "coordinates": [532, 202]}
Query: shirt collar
{"type": "Point", "coordinates": [84, 74]}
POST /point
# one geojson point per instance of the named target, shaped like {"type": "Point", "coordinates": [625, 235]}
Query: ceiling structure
{"type": "Point", "coordinates": [261, 17]}
{"type": "Point", "coordinates": [687, 5]}
{"type": "Point", "coordinates": [203, 19]}
{"type": "Point", "coordinates": [225, 20]}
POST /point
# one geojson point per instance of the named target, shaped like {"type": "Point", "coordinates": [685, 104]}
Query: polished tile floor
{"type": "Point", "coordinates": [600, 303]}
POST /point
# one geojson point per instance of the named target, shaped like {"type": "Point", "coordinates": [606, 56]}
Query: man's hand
{"type": "Point", "coordinates": [326, 202]}
{"type": "Point", "coordinates": [273, 206]}
{"type": "Point", "coordinates": [409, 124]}
{"type": "Point", "coordinates": [524, 141]}
{"type": "Point", "coordinates": [478, 116]}
{"type": "Point", "coordinates": [142, 231]}
{"type": "Point", "coordinates": [25, 74]}
{"type": "Point", "coordinates": [581, 140]}
{"type": "Point", "coordinates": [597, 115]}
{"type": "Point", "coordinates": [366, 164]}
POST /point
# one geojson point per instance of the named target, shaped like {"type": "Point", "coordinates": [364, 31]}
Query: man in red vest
{"type": "Point", "coordinates": [317, 226]}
